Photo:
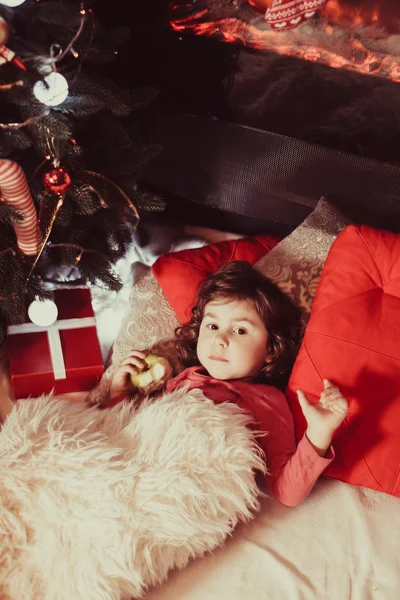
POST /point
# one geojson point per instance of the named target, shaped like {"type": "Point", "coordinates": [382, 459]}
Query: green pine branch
{"type": "Point", "coordinates": [92, 130]}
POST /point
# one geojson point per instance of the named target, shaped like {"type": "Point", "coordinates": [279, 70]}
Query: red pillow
{"type": "Point", "coordinates": [181, 273]}
{"type": "Point", "coordinates": [353, 339]}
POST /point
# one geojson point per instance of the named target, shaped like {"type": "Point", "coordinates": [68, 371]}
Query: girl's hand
{"type": "Point", "coordinates": [121, 382]}
{"type": "Point", "coordinates": [324, 417]}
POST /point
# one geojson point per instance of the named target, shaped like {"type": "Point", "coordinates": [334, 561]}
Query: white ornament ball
{"type": "Point", "coordinates": [12, 3]}
{"type": "Point", "coordinates": [53, 90]}
{"type": "Point", "coordinates": [43, 312]}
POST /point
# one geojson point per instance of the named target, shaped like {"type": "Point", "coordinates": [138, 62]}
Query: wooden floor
{"type": "Point", "coordinates": [6, 391]}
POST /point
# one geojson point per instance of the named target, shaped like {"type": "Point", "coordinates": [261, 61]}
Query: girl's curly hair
{"type": "Point", "coordinates": [237, 280]}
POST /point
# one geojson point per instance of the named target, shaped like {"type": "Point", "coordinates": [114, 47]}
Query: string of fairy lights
{"type": "Point", "coordinates": [53, 88]}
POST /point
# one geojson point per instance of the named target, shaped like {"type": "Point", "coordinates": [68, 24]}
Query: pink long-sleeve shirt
{"type": "Point", "coordinates": [293, 469]}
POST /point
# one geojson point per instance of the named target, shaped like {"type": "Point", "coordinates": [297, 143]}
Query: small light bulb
{"type": "Point", "coordinates": [12, 3]}
{"type": "Point", "coordinates": [55, 92]}
{"type": "Point", "coordinates": [43, 312]}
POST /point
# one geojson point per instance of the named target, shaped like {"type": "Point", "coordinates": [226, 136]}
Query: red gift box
{"type": "Point", "coordinates": [65, 357]}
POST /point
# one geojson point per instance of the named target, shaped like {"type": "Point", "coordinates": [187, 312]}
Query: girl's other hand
{"type": "Point", "coordinates": [324, 417]}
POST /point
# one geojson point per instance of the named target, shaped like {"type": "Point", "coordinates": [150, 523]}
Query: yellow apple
{"type": "Point", "coordinates": [157, 371]}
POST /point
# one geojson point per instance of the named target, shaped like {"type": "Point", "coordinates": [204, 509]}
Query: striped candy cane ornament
{"type": "Point", "coordinates": [14, 189]}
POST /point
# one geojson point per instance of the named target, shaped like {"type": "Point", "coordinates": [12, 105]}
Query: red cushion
{"type": "Point", "coordinates": [353, 339]}
{"type": "Point", "coordinates": [180, 273]}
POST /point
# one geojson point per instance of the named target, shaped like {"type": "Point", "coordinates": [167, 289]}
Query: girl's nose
{"type": "Point", "coordinates": [221, 340]}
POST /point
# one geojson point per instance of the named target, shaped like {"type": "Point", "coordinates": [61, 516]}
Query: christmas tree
{"type": "Point", "coordinates": [70, 155]}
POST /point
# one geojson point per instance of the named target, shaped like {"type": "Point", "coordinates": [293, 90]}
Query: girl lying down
{"type": "Point", "coordinates": [240, 346]}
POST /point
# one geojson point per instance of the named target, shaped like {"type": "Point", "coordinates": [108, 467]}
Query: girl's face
{"type": "Point", "coordinates": [232, 340]}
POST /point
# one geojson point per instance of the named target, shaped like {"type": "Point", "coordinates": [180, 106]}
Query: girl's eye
{"type": "Point", "coordinates": [212, 326]}
{"type": "Point", "coordinates": [240, 331]}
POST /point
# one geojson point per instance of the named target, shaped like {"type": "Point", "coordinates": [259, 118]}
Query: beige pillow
{"type": "Point", "coordinates": [150, 323]}
{"type": "Point", "coordinates": [296, 263]}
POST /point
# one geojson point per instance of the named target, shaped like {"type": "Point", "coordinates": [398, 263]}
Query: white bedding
{"type": "Point", "coordinates": [342, 543]}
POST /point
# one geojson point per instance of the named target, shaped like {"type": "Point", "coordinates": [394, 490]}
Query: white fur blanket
{"type": "Point", "coordinates": [99, 505]}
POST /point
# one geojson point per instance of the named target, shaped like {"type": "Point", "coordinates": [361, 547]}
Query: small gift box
{"type": "Point", "coordinates": [64, 356]}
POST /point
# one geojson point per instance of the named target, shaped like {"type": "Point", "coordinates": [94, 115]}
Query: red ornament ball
{"type": "Point", "coordinates": [3, 31]}
{"type": "Point", "coordinates": [57, 180]}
